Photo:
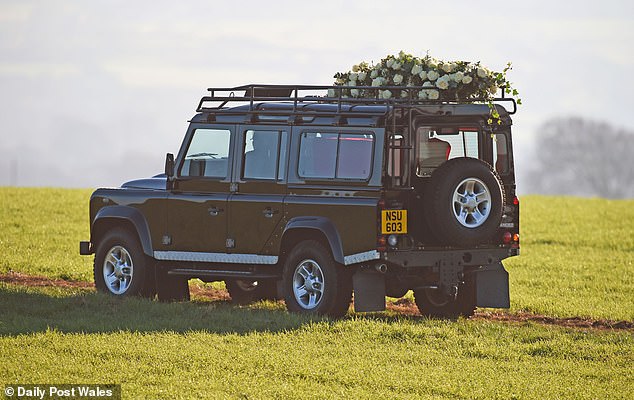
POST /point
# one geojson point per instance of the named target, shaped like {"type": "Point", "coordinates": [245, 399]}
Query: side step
{"type": "Point", "coordinates": [221, 274]}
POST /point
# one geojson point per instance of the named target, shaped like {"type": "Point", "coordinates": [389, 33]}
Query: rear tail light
{"type": "Point", "coordinates": [516, 201]}
{"type": "Point", "coordinates": [507, 237]}
{"type": "Point", "coordinates": [381, 243]}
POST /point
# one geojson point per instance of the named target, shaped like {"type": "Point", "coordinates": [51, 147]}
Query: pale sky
{"type": "Point", "coordinates": [94, 93]}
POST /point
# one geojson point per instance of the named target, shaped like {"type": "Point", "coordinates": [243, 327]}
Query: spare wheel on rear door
{"type": "Point", "coordinates": [465, 200]}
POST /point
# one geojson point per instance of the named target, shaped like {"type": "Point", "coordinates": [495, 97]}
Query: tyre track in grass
{"type": "Point", "coordinates": [402, 306]}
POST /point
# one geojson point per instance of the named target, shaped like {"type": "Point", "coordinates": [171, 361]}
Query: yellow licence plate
{"type": "Point", "coordinates": [393, 221]}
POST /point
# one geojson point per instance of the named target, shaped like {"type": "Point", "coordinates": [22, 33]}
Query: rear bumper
{"type": "Point", "coordinates": [457, 257]}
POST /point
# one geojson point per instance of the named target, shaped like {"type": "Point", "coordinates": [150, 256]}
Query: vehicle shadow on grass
{"type": "Point", "coordinates": [26, 310]}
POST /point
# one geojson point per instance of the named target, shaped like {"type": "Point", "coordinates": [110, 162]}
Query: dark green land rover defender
{"type": "Point", "coordinates": [289, 192]}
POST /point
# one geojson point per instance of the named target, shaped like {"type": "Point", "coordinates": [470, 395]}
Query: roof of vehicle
{"type": "Point", "coordinates": [289, 105]}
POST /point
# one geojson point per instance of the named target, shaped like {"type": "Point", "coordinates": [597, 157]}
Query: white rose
{"type": "Point", "coordinates": [398, 78]}
{"type": "Point", "coordinates": [353, 76]}
{"type": "Point", "coordinates": [422, 94]}
{"type": "Point", "coordinates": [457, 77]}
{"type": "Point", "coordinates": [396, 66]}
{"type": "Point", "coordinates": [446, 67]}
{"type": "Point", "coordinates": [417, 69]}
{"type": "Point", "coordinates": [443, 82]}
{"type": "Point", "coordinates": [467, 79]}
{"type": "Point", "coordinates": [482, 73]}
{"type": "Point", "coordinates": [352, 83]}
{"type": "Point", "coordinates": [376, 81]}
{"type": "Point", "coordinates": [354, 92]}
{"type": "Point", "coordinates": [428, 84]}
{"type": "Point", "coordinates": [432, 75]}
{"type": "Point", "coordinates": [404, 94]}
{"type": "Point", "coordinates": [355, 68]}
{"type": "Point", "coordinates": [362, 75]}
{"type": "Point", "coordinates": [386, 94]}
{"type": "Point", "coordinates": [390, 62]}
{"type": "Point", "coordinates": [374, 73]}
{"type": "Point", "coordinates": [423, 75]}
{"type": "Point", "coordinates": [432, 94]}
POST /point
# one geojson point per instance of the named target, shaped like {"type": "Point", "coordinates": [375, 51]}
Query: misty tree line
{"type": "Point", "coordinates": [580, 157]}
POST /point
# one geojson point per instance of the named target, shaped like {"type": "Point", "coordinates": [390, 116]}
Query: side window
{"type": "Point", "coordinates": [354, 158]}
{"type": "Point", "coordinates": [317, 155]}
{"type": "Point", "coordinates": [335, 155]}
{"type": "Point", "coordinates": [264, 154]}
{"type": "Point", "coordinates": [208, 154]}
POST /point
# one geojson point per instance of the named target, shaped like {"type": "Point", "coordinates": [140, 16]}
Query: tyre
{"type": "Point", "coordinates": [244, 291]}
{"type": "Point", "coordinates": [313, 283]}
{"type": "Point", "coordinates": [465, 202]}
{"type": "Point", "coordinates": [435, 303]}
{"type": "Point", "coordinates": [120, 267]}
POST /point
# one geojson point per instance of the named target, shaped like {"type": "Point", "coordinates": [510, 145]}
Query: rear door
{"type": "Point", "coordinates": [259, 177]}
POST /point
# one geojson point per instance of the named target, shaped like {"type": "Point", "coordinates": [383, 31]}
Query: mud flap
{"type": "Point", "coordinates": [169, 287]}
{"type": "Point", "coordinates": [369, 291]}
{"type": "Point", "coordinates": [492, 284]}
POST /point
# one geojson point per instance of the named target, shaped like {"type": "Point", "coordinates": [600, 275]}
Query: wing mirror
{"type": "Point", "coordinates": [169, 165]}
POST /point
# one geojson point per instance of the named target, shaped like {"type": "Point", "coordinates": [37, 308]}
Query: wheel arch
{"type": "Point", "coordinates": [125, 217]}
{"type": "Point", "coordinates": [317, 228]}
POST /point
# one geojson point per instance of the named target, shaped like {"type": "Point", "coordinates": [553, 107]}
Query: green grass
{"type": "Point", "coordinates": [576, 260]}
{"type": "Point", "coordinates": [213, 349]}
{"type": "Point", "coordinates": [577, 254]}
{"type": "Point", "coordinates": [40, 230]}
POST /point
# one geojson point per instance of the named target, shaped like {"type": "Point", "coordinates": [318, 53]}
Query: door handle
{"type": "Point", "coordinates": [268, 212]}
{"type": "Point", "coordinates": [214, 211]}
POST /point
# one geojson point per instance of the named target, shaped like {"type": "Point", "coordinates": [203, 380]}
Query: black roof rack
{"type": "Point", "coordinates": [303, 103]}
{"type": "Point", "coordinates": [300, 95]}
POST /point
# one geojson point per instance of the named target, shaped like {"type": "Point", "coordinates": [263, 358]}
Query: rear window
{"type": "Point", "coordinates": [331, 155]}
{"type": "Point", "coordinates": [437, 145]}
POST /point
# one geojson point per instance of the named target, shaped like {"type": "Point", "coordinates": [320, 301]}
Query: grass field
{"type": "Point", "coordinates": [577, 257]}
{"type": "Point", "coordinates": [213, 349]}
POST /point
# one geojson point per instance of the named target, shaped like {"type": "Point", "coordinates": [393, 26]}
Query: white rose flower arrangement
{"type": "Point", "coordinates": [431, 79]}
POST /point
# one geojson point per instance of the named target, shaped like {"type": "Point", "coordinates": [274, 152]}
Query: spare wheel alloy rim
{"type": "Point", "coordinates": [117, 270]}
{"type": "Point", "coordinates": [471, 202]}
{"type": "Point", "coordinates": [308, 284]}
